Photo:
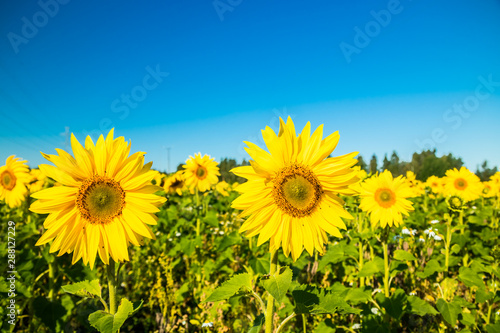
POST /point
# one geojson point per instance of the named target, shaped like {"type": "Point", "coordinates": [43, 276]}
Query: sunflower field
{"type": "Point", "coordinates": [96, 240]}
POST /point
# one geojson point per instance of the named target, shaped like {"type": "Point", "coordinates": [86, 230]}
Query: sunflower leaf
{"type": "Point", "coordinates": [403, 255]}
{"type": "Point", "coordinates": [314, 300]}
{"type": "Point", "coordinates": [105, 322]}
{"type": "Point", "coordinates": [84, 289]}
{"type": "Point", "coordinates": [470, 278]}
{"type": "Point", "coordinates": [231, 287]}
{"type": "Point", "coordinates": [279, 283]}
{"type": "Point", "coordinates": [449, 311]}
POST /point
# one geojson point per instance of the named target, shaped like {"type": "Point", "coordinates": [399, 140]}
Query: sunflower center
{"type": "Point", "coordinates": [201, 172]}
{"type": "Point", "coordinates": [100, 199]}
{"type": "Point", "coordinates": [385, 197]}
{"type": "Point", "coordinates": [8, 180]}
{"type": "Point", "coordinates": [296, 191]}
{"type": "Point", "coordinates": [486, 189]}
{"type": "Point", "coordinates": [176, 183]}
{"type": "Point", "coordinates": [460, 184]}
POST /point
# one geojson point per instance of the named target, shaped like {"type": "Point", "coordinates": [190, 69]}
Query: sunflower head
{"type": "Point", "coordinates": [14, 176]}
{"type": "Point", "coordinates": [201, 172]}
{"type": "Point", "coordinates": [455, 203]}
{"type": "Point", "coordinates": [175, 183]}
{"type": "Point", "coordinates": [385, 199]}
{"type": "Point", "coordinates": [291, 197]}
{"type": "Point", "coordinates": [462, 183]}
{"type": "Point", "coordinates": [104, 200]}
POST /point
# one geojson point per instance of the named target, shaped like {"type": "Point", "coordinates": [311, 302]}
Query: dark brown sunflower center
{"type": "Point", "coordinates": [385, 197]}
{"type": "Point", "coordinates": [177, 183]}
{"type": "Point", "coordinates": [100, 199]}
{"type": "Point", "coordinates": [8, 180]}
{"type": "Point", "coordinates": [296, 191]}
{"type": "Point", "coordinates": [201, 172]}
{"type": "Point", "coordinates": [460, 184]}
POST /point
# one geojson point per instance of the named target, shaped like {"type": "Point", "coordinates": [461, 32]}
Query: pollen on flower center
{"type": "Point", "coordinates": [296, 191]}
{"type": "Point", "coordinates": [8, 180]}
{"type": "Point", "coordinates": [100, 199]}
{"type": "Point", "coordinates": [460, 184]}
{"type": "Point", "coordinates": [201, 172]}
{"type": "Point", "coordinates": [385, 197]}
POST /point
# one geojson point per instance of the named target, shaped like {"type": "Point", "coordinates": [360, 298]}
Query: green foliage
{"type": "Point", "coordinates": [231, 287]}
{"type": "Point", "coordinates": [279, 283]}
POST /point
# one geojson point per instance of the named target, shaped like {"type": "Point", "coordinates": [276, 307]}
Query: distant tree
{"type": "Point", "coordinates": [361, 163]}
{"type": "Point", "coordinates": [386, 163]}
{"type": "Point", "coordinates": [225, 166]}
{"type": "Point", "coordinates": [179, 167]}
{"type": "Point", "coordinates": [485, 173]}
{"type": "Point", "coordinates": [373, 164]}
{"type": "Point", "coordinates": [426, 164]}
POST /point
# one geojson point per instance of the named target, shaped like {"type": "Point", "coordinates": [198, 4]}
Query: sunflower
{"type": "Point", "coordinates": [158, 179]}
{"type": "Point", "coordinates": [463, 183]}
{"type": "Point", "coordinates": [291, 196]}
{"type": "Point", "coordinates": [175, 183]}
{"type": "Point", "coordinates": [37, 180]}
{"type": "Point", "coordinates": [223, 187]}
{"type": "Point", "coordinates": [435, 184]}
{"type": "Point", "coordinates": [105, 200]}
{"type": "Point", "coordinates": [414, 184]}
{"type": "Point", "coordinates": [14, 176]}
{"type": "Point", "coordinates": [385, 198]}
{"type": "Point", "coordinates": [490, 189]}
{"type": "Point", "coordinates": [201, 172]}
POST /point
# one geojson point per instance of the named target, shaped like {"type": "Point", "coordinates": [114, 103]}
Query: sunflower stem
{"type": "Point", "coordinates": [386, 267]}
{"type": "Point", "coordinates": [447, 245]}
{"type": "Point", "coordinates": [111, 286]}
{"type": "Point", "coordinates": [51, 280]}
{"type": "Point", "coordinates": [197, 213]}
{"type": "Point", "coordinates": [270, 298]}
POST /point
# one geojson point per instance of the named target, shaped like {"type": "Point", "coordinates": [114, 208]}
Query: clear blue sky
{"type": "Point", "coordinates": [193, 76]}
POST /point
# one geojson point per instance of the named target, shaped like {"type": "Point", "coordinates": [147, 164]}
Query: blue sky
{"type": "Point", "coordinates": [189, 76]}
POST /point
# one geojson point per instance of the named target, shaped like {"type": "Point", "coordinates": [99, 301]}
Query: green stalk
{"type": "Point", "coordinates": [386, 267]}
{"type": "Point", "coordinates": [52, 280]}
{"type": "Point", "coordinates": [111, 286]}
{"type": "Point", "coordinates": [447, 245]}
{"type": "Point", "coordinates": [270, 298]}
{"type": "Point", "coordinates": [197, 212]}
{"type": "Point", "coordinates": [361, 250]}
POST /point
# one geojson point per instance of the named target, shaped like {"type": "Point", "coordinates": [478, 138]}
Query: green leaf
{"type": "Point", "coordinates": [455, 248]}
{"type": "Point", "coordinates": [493, 328]}
{"type": "Point", "coordinates": [49, 312]}
{"type": "Point", "coordinates": [372, 267]}
{"type": "Point", "coordinates": [229, 240]}
{"type": "Point", "coordinates": [431, 267]}
{"type": "Point", "coordinates": [211, 219]}
{"type": "Point", "coordinates": [397, 267]}
{"type": "Point", "coordinates": [449, 311]}
{"type": "Point", "coordinates": [314, 300]}
{"type": "Point", "coordinates": [231, 287]}
{"type": "Point", "coordinates": [333, 255]}
{"type": "Point", "coordinates": [420, 307]}
{"type": "Point", "coordinates": [394, 305]}
{"type": "Point", "coordinates": [358, 295]}
{"type": "Point", "coordinates": [279, 283]}
{"type": "Point", "coordinates": [482, 296]}
{"type": "Point", "coordinates": [468, 319]}
{"type": "Point", "coordinates": [403, 255]}
{"type": "Point", "coordinates": [257, 324]}
{"type": "Point", "coordinates": [105, 322]}
{"type": "Point", "coordinates": [259, 265]}
{"type": "Point", "coordinates": [84, 289]}
{"type": "Point", "coordinates": [470, 278]}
